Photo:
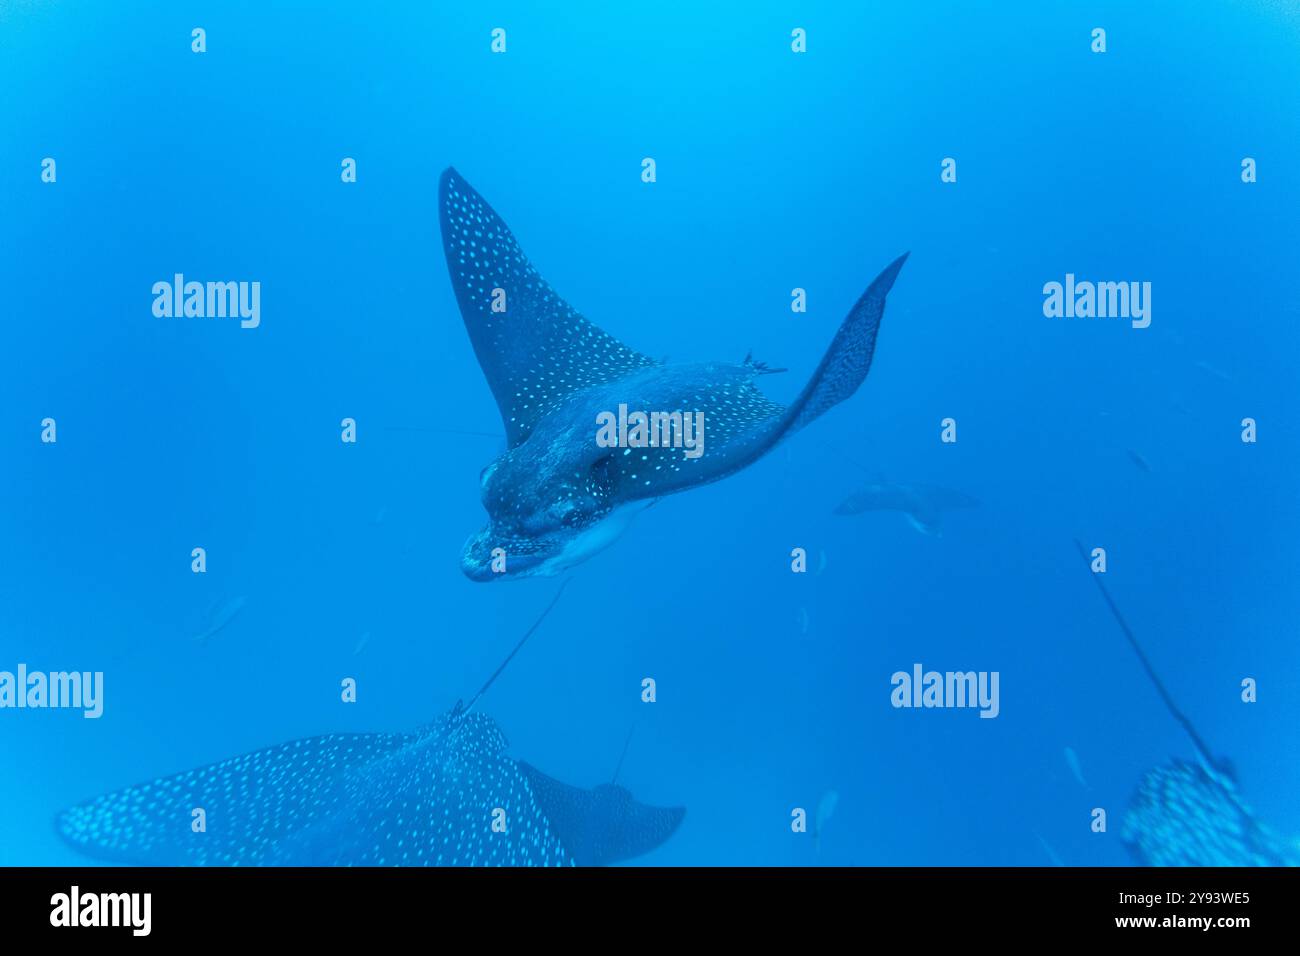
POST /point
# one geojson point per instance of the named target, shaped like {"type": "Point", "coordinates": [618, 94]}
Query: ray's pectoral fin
{"type": "Point", "coordinates": [247, 803]}
{"type": "Point", "coordinates": [846, 363]}
{"type": "Point", "coordinates": [601, 826]}
{"type": "Point", "coordinates": [534, 348]}
{"type": "Point", "coordinates": [842, 369]}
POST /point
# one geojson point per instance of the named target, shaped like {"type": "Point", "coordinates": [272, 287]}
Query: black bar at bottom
{"type": "Point", "coordinates": [331, 905]}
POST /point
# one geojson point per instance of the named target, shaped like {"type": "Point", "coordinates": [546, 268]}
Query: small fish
{"type": "Point", "coordinates": [361, 644]}
{"type": "Point", "coordinates": [219, 615]}
{"type": "Point", "coordinates": [1138, 460]}
{"type": "Point", "coordinates": [1051, 853]}
{"type": "Point", "coordinates": [1072, 759]}
{"type": "Point", "coordinates": [825, 810]}
{"type": "Point", "coordinates": [1210, 370]}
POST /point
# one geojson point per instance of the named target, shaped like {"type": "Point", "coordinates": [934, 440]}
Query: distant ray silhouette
{"type": "Point", "coordinates": [922, 504]}
{"type": "Point", "coordinates": [427, 798]}
{"type": "Point", "coordinates": [1189, 814]}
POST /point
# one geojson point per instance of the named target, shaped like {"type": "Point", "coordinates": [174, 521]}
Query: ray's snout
{"type": "Point", "coordinates": [486, 558]}
{"type": "Point", "coordinates": [476, 557]}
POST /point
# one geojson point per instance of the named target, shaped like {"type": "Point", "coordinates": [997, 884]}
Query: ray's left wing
{"type": "Point", "coordinates": [249, 804]}
{"type": "Point", "coordinates": [534, 348]}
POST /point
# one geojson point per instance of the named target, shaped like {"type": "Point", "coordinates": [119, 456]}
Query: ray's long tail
{"type": "Point", "coordinates": [522, 641]}
{"type": "Point", "coordinates": [1183, 721]}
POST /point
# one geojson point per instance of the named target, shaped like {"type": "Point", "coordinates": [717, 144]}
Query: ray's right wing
{"type": "Point", "coordinates": [601, 826]}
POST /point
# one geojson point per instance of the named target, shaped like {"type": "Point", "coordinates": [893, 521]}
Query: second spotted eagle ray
{"type": "Point", "coordinates": [446, 794]}
{"type": "Point", "coordinates": [1187, 813]}
{"type": "Point", "coordinates": [557, 496]}
{"type": "Point", "coordinates": [922, 504]}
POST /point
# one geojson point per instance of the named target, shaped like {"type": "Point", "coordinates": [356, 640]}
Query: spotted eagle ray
{"type": "Point", "coordinates": [1189, 813]}
{"type": "Point", "coordinates": [446, 794]}
{"type": "Point", "coordinates": [555, 497]}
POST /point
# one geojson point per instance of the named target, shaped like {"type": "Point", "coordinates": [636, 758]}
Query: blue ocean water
{"type": "Point", "coordinates": [775, 170]}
